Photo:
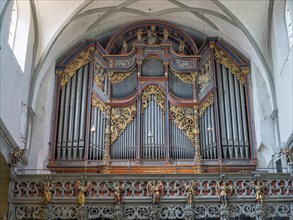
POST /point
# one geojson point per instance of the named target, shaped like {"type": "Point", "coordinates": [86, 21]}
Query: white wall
{"type": "Point", "coordinates": [40, 147]}
{"type": "Point", "coordinates": [283, 70]}
{"type": "Point", "coordinates": [14, 84]}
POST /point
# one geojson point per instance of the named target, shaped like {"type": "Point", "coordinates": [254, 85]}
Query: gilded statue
{"type": "Point", "coordinates": [118, 193]}
{"type": "Point", "coordinates": [225, 192]}
{"type": "Point", "coordinates": [259, 196]}
{"type": "Point", "coordinates": [166, 34]}
{"type": "Point", "coordinates": [181, 47]}
{"type": "Point", "coordinates": [288, 152]}
{"type": "Point", "coordinates": [125, 47]}
{"type": "Point", "coordinates": [154, 188]}
{"type": "Point", "coordinates": [16, 154]}
{"type": "Point", "coordinates": [82, 190]}
{"type": "Point", "coordinates": [48, 190]}
{"type": "Point", "coordinates": [152, 37]}
{"type": "Point", "coordinates": [189, 188]}
{"type": "Point", "coordinates": [139, 33]}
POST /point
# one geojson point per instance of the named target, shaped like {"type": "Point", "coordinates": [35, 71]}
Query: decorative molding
{"type": "Point", "coordinates": [118, 77]}
{"type": "Point", "coordinates": [78, 61]}
{"type": "Point", "coordinates": [184, 118]}
{"type": "Point", "coordinates": [121, 117]}
{"type": "Point", "coordinates": [97, 103]}
{"type": "Point", "coordinates": [207, 102]}
{"type": "Point", "coordinates": [186, 77]}
{"type": "Point", "coordinates": [157, 92]}
{"type": "Point", "coordinates": [224, 59]}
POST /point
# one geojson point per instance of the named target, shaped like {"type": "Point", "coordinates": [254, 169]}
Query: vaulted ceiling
{"type": "Point", "coordinates": [244, 24]}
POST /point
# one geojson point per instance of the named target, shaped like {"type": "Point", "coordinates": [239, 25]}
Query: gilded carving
{"type": "Point", "coordinates": [185, 77]}
{"type": "Point", "coordinates": [97, 103]}
{"type": "Point", "coordinates": [222, 58]}
{"type": "Point", "coordinates": [118, 77]}
{"type": "Point", "coordinates": [184, 118]}
{"type": "Point", "coordinates": [121, 117]}
{"type": "Point", "coordinates": [99, 77]}
{"type": "Point", "coordinates": [207, 102]}
{"type": "Point", "coordinates": [158, 93]}
{"type": "Point", "coordinates": [80, 60]}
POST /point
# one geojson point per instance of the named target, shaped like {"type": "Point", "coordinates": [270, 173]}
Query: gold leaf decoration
{"type": "Point", "coordinates": [118, 77]}
{"type": "Point", "coordinates": [207, 102]}
{"type": "Point", "coordinates": [97, 103]}
{"type": "Point", "coordinates": [157, 92]}
{"type": "Point", "coordinates": [185, 120]}
{"type": "Point", "coordinates": [185, 77]}
{"type": "Point", "coordinates": [222, 58]}
{"type": "Point", "coordinates": [121, 117]}
{"type": "Point", "coordinates": [80, 60]}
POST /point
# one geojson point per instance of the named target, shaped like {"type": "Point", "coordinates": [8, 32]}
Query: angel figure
{"type": "Point", "coordinates": [224, 192]}
{"type": "Point", "coordinates": [259, 196]}
{"type": "Point", "coordinates": [189, 191]}
{"type": "Point", "coordinates": [125, 46]}
{"type": "Point", "coordinates": [82, 189]}
{"type": "Point", "coordinates": [16, 154]}
{"type": "Point", "coordinates": [47, 189]}
{"type": "Point", "coordinates": [181, 47]}
{"type": "Point", "coordinates": [155, 187]}
{"type": "Point", "coordinates": [118, 193]}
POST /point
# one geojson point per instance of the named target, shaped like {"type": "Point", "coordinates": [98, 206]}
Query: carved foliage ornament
{"type": "Point", "coordinates": [80, 60]}
{"type": "Point", "coordinates": [158, 93]}
{"type": "Point", "coordinates": [121, 117]}
{"type": "Point", "coordinates": [185, 120]}
{"type": "Point", "coordinates": [118, 77]}
{"type": "Point", "coordinates": [207, 102]}
{"type": "Point", "coordinates": [97, 103]}
{"type": "Point", "coordinates": [185, 77]}
{"type": "Point", "coordinates": [222, 58]}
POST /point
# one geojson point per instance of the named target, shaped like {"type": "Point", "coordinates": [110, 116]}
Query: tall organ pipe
{"type": "Point", "coordinates": [72, 103]}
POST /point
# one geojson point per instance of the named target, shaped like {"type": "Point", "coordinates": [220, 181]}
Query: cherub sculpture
{"type": "Point", "coordinates": [189, 187]}
{"type": "Point", "coordinates": [16, 154]}
{"type": "Point", "coordinates": [154, 188]}
{"type": "Point", "coordinates": [82, 189]}
{"type": "Point", "coordinates": [225, 191]}
{"type": "Point", "coordinates": [48, 190]}
{"type": "Point", "coordinates": [259, 196]}
{"type": "Point", "coordinates": [118, 193]}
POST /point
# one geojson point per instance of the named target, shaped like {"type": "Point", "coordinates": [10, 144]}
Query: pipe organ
{"type": "Point", "coordinates": [166, 106]}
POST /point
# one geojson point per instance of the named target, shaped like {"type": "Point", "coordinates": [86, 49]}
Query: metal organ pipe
{"type": "Point", "coordinates": [70, 114]}
{"type": "Point", "coordinates": [181, 146]}
{"type": "Point", "coordinates": [233, 114]}
{"type": "Point", "coordinates": [233, 119]}
{"type": "Point", "coordinates": [124, 147]}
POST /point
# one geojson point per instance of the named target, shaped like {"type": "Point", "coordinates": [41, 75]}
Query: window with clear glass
{"type": "Point", "coordinates": [289, 26]}
{"type": "Point", "coordinates": [12, 28]}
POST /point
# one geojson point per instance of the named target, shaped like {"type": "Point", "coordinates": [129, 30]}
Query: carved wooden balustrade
{"type": "Point", "coordinates": [27, 196]}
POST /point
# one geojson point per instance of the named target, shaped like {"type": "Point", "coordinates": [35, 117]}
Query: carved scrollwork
{"type": "Point", "coordinates": [184, 118]}
{"type": "Point", "coordinates": [157, 92]}
{"type": "Point", "coordinates": [222, 58]}
{"type": "Point", "coordinates": [185, 77]}
{"type": "Point", "coordinates": [80, 60]}
{"type": "Point", "coordinates": [97, 103]}
{"type": "Point", "coordinates": [118, 77]}
{"type": "Point", "coordinates": [121, 117]}
{"type": "Point", "coordinates": [207, 102]}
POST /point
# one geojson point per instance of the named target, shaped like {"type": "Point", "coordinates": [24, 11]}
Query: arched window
{"type": "Point", "coordinates": [289, 24]}
{"type": "Point", "coordinates": [12, 28]}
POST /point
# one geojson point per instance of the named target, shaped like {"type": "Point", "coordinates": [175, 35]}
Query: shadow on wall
{"type": "Point", "coordinates": [4, 184]}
